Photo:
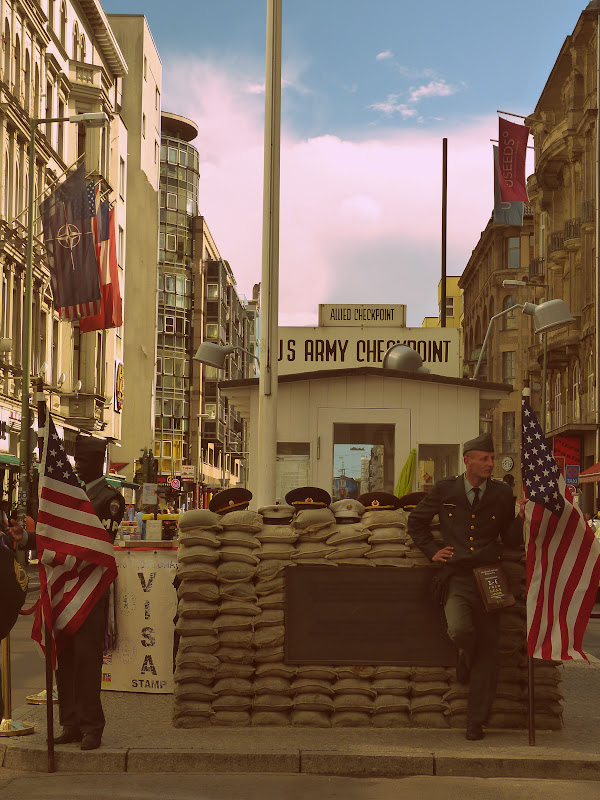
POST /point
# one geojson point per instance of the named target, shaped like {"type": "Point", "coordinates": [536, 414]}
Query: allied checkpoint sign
{"type": "Point", "coordinates": [305, 349]}
{"type": "Point", "coordinates": [146, 603]}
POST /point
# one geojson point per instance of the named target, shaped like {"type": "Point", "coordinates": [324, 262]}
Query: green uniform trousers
{"type": "Point", "coordinates": [472, 628]}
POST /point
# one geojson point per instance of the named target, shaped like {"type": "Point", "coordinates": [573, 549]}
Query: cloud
{"type": "Point", "coordinates": [360, 218]}
{"type": "Point", "coordinates": [437, 88]}
{"type": "Point", "coordinates": [391, 106]}
{"type": "Point", "coordinates": [386, 55]}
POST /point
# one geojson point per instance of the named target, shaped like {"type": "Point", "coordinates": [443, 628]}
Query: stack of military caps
{"type": "Point", "coordinates": [347, 510]}
{"type": "Point", "coordinates": [483, 442]}
{"type": "Point", "coordinates": [308, 497]}
{"type": "Point", "coordinates": [276, 514]}
{"type": "Point", "coordinates": [379, 501]}
{"type": "Point", "coordinates": [236, 499]}
{"type": "Point", "coordinates": [409, 501]}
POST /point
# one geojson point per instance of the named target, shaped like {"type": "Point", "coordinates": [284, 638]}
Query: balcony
{"type": "Point", "coordinates": [557, 252]}
{"type": "Point", "coordinates": [213, 431]}
{"type": "Point", "coordinates": [572, 234]}
{"type": "Point", "coordinates": [537, 267]}
{"type": "Point", "coordinates": [588, 216]}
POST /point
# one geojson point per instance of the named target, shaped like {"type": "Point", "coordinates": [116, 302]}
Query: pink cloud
{"type": "Point", "coordinates": [360, 219]}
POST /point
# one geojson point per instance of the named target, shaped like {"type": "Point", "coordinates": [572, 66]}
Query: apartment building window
{"type": "Point", "coordinates": [172, 201]}
{"type": "Point", "coordinates": [60, 148]}
{"type": "Point", "coordinates": [121, 246]}
{"type": "Point", "coordinates": [55, 352]}
{"type": "Point", "coordinates": [210, 409]}
{"type": "Point", "coordinates": [171, 242]}
{"type": "Point", "coordinates": [145, 68]}
{"type": "Point", "coordinates": [508, 432]}
{"type": "Point", "coordinates": [156, 152]}
{"type": "Point", "coordinates": [508, 366]}
{"type": "Point", "coordinates": [143, 126]}
{"type": "Point", "coordinates": [212, 291]}
{"type": "Point", "coordinates": [169, 325]}
{"type": "Point", "coordinates": [512, 248]}
{"type": "Point", "coordinates": [509, 320]}
{"type": "Point", "coordinates": [558, 401]}
{"type": "Point", "coordinates": [449, 306]}
{"type": "Point", "coordinates": [212, 330]}
{"type": "Point", "coordinates": [122, 178]}
{"type": "Point", "coordinates": [156, 99]}
{"type": "Point", "coordinates": [63, 24]}
{"type": "Point", "coordinates": [172, 155]}
{"type": "Point", "coordinates": [576, 397]}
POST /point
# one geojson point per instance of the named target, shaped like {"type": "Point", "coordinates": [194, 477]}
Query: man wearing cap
{"type": "Point", "coordinates": [474, 512]}
{"type": "Point", "coordinates": [79, 673]}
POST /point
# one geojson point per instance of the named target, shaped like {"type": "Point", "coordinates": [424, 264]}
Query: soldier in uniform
{"type": "Point", "coordinates": [474, 512]}
{"type": "Point", "coordinates": [79, 673]}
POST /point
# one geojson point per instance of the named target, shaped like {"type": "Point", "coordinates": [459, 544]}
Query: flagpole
{"type": "Point", "coordinates": [444, 230]}
{"type": "Point", "coordinates": [530, 665]}
{"type": "Point", "coordinates": [41, 409]}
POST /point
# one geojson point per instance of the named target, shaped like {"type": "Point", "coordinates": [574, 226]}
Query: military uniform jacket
{"type": "Point", "coordinates": [473, 532]}
{"type": "Point", "coordinates": [109, 505]}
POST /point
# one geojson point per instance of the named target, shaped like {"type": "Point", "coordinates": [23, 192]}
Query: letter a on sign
{"type": "Point", "coordinates": [512, 149]}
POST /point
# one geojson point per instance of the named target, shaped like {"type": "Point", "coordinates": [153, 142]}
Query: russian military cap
{"type": "Point", "coordinates": [483, 442]}
{"type": "Point", "coordinates": [379, 501]}
{"type": "Point", "coordinates": [308, 497]}
{"type": "Point", "coordinates": [348, 509]}
{"type": "Point", "coordinates": [235, 499]}
{"type": "Point", "coordinates": [409, 501]}
{"type": "Point", "coordinates": [276, 514]}
{"type": "Point", "coordinates": [89, 446]}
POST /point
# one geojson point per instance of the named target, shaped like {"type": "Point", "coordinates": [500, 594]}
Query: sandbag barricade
{"type": "Point", "coordinates": [230, 668]}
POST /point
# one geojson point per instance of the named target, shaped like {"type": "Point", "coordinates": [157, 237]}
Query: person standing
{"type": "Point", "coordinates": [79, 673]}
{"type": "Point", "coordinates": [475, 511]}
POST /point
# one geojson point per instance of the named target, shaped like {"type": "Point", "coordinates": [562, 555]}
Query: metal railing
{"type": "Point", "coordinates": [588, 211]}
{"type": "Point", "coordinates": [556, 242]}
{"type": "Point", "coordinates": [572, 228]}
{"type": "Point", "coordinates": [537, 267]}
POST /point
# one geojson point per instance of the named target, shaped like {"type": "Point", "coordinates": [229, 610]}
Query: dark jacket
{"type": "Point", "coordinates": [472, 532]}
{"type": "Point", "coordinates": [109, 505]}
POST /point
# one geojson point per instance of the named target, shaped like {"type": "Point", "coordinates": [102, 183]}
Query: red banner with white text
{"type": "Point", "coordinates": [512, 149]}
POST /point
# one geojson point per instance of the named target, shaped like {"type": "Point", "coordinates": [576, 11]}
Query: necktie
{"type": "Point", "coordinates": [475, 496]}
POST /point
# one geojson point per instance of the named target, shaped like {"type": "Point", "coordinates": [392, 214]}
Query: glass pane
{"type": "Point", "coordinates": [172, 155]}
{"type": "Point", "coordinates": [363, 459]}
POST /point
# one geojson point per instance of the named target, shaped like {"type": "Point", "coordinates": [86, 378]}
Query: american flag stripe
{"type": "Point", "coordinates": [76, 557]}
{"type": "Point", "coordinates": [562, 554]}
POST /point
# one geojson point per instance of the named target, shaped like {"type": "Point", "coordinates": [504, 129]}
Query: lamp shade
{"type": "Point", "coordinates": [213, 355]}
{"type": "Point", "coordinates": [551, 314]}
{"type": "Point", "coordinates": [401, 356]}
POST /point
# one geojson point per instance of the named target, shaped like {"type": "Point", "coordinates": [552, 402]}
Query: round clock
{"type": "Point", "coordinates": [507, 463]}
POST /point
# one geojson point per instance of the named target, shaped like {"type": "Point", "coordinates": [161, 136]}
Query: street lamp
{"type": "Point", "coordinates": [90, 119]}
{"type": "Point", "coordinates": [546, 317]}
{"type": "Point", "coordinates": [214, 355]}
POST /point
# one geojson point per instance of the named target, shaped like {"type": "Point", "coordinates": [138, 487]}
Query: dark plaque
{"type": "Point", "coordinates": [364, 615]}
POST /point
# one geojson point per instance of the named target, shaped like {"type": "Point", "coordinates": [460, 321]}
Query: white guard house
{"type": "Point", "coordinates": [328, 416]}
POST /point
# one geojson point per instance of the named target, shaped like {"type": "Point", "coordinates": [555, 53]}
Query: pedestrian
{"type": "Point", "coordinates": [79, 673]}
{"type": "Point", "coordinates": [474, 512]}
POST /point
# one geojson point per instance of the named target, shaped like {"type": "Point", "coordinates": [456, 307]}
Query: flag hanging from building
{"type": "Point", "coordinates": [512, 149]}
{"type": "Point", "coordinates": [505, 213]}
{"type": "Point", "coordinates": [111, 307]}
{"type": "Point", "coordinates": [69, 240]}
{"type": "Point", "coordinates": [76, 558]}
{"type": "Point", "coordinates": [562, 553]}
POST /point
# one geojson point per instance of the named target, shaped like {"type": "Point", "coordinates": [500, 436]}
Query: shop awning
{"type": "Point", "coordinates": [120, 483]}
{"type": "Point", "coordinates": [6, 458]}
{"type": "Point", "coordinates": [590, 475]}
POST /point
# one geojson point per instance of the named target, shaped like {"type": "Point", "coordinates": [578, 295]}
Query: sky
{"type": "Point", "coordinates": [369, 90]}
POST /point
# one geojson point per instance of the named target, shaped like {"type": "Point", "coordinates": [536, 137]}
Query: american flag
{"type": "Point", "coordinates": [563, 555]}
{"type": "Point", "coordinates": [76, 558]}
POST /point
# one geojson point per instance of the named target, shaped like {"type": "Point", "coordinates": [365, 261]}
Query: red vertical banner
{"type": "Point", "coordinates": [512, 149]}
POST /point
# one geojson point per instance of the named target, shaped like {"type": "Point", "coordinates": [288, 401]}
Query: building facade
{"type": "Point", "coordinates": [57, 59]}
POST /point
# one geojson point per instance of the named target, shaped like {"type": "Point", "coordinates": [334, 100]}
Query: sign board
{"type": "Point", "coordinates": [341, 315]}
{"type": "Point", "coordinates": [150, 494]}
{"type": "Point", "coordinates": [572, 474]}
{"type": "Point", "coordinates": [188, 472]}
{"type": "Point", "coordinates": [291, 471]}
{"type": "Point", "coordinates": [307, 349]}
{"type": "Point", "coordinates": [360, 615]}
{"type": "Point", "coordinates": [145, 604]}
{"type": "Point", "coordinates": [175, 483]}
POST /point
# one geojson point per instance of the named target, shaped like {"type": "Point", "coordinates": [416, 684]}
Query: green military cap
{"type": "Point", "coordinates": [482, 442]}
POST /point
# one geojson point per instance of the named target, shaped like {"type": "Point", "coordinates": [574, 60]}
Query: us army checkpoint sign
{"type": "Point", "coordinates": [146, 603]}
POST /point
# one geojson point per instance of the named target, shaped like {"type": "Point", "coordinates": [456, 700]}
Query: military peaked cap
{"type": "Point", "coordinates": [409, 501]}
{"type": "Point", "coordinates": [379, 501]}
{"type": "Point", "coordinates": [483, 442]}
{"type": "Point", "coordinates": [89, 446]}
{"type": "Point", "coordinates": [235, 499]}
{"type": "Point", "coordinates": [308, 497]}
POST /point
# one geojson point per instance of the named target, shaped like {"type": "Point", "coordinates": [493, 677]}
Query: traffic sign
{"type": "Point", "coordinates": [572, 474]}
{"type": "Point", "coordinates": [175, 483]}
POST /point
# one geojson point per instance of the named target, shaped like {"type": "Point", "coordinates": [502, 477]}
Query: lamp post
{"type": "Point", "coordinates": [546, 317]}
{"type": "Point", "coordinates": [546, 286]}
{"type": "Point", "coordinates": [89, 119]}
